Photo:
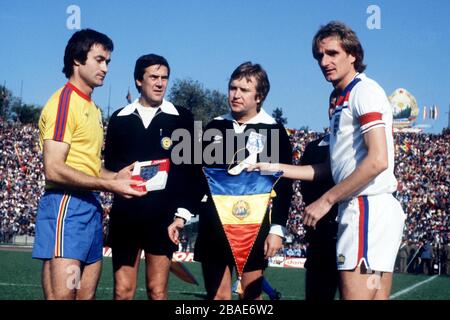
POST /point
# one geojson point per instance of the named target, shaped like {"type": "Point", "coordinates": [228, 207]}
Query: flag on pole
{"type": "Point", "coordinates": [241, 202]}
{"type": "Point", "coordinates": [431, 114]}
{"type": "Point", "coordinates": [128, 96]}
{"type": "Point", "coordinates": [424, 114]}
{"type": "Point", "coordinates": [435, 113]}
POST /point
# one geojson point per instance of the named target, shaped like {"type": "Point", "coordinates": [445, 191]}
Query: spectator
{"type": "Point", "coordinates": [426, 257]}
{"type": "Point", "coordinates": [422, 171]}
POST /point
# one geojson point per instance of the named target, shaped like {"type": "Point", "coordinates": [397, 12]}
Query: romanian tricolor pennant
{"type": "Point", "coordinates": [241, 202]}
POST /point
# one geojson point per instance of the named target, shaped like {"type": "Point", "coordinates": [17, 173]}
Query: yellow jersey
{"type": "Point", "coordinates": [70, 116]}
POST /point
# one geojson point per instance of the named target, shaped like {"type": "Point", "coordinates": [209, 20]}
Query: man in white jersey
{"type": "Point", "coordinates": [362, 164]}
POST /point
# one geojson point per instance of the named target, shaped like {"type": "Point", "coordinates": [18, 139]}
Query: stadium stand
{"type": "Point", "coordinates": [422, 169]}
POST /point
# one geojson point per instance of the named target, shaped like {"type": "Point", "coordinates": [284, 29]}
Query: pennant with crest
{"type": "Point", "coordinates": [241, 201]}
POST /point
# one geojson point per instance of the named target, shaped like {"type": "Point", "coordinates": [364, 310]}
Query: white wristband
{"type": "Point", "coordinates": [184, 214]}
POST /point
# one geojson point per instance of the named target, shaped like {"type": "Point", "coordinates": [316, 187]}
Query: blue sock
{"type": "Point", "coordinates": [267, 288]}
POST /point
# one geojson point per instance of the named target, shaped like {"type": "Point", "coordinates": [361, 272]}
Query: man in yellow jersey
{"type": "Point", "coordinates": [69, 222]}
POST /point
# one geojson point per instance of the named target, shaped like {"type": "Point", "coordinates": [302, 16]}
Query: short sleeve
{"type": "Point", "coordinates": [60, 118]}
{"type": "Point", "coordinates": [368, 103]}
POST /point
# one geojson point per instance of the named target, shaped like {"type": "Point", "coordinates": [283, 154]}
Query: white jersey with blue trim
{"type": "Point", "coordinates": [361, 107]}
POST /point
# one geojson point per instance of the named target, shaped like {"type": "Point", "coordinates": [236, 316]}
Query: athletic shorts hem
{"type": "Point", "coordinates": [72, 258]}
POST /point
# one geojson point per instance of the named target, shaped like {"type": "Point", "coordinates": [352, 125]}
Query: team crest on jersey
{"type": "Point", "coordinates": [255, 143]}
{"type": "Point", "coordinates": [341, 259]}
{"type": "Point", "coordinates": [241, 209]}
{"type": "Point", "coordinates": [166, 143]}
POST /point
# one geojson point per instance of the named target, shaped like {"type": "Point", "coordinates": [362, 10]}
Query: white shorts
{"type": "Point", "coordinates": [370, 231]}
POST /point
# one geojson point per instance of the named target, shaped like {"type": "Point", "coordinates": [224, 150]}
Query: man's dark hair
{"type": "Point", "coordinates": [247, 70]}
{"type": "Point", "coordinates": [146, 61]}
{"type": "Point", "coordinates": [349, 42]}
{"type": "Point", "coordinates": [79, 45]}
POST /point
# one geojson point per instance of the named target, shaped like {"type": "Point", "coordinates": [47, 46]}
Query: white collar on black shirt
{"type": "Point", "coordinates": [166, 107]}
{"type": "Point", "coordinates": [261, 117]}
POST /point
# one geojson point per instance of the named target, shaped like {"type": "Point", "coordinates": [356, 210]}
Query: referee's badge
{"type": "Point", "coordinates": [341, 259]}
{"type": "Point", "coordinates": [256, 142]}
{"type": "Point", "coordinates": [166, 143]}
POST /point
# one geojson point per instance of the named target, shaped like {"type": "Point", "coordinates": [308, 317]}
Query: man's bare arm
{"type": "Point", "coordinates": [372, 165]}
{"type": "Point", "coordinates": [57, 171]}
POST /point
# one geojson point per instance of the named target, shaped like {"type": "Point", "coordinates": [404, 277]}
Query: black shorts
{"type": "Point", "coordinates": [140, 232]}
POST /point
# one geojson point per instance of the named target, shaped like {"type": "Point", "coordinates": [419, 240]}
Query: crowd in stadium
{"type": "Point", "coordinates": [21, 179]}
{"type": "Point", "coordinates": [422, 169]}
{"type": "Point", "coordinates": [299, 139]}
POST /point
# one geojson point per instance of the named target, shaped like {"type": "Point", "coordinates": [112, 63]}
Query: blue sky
{"type": "Point", "coordinates": [206, 39]}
